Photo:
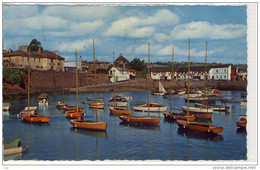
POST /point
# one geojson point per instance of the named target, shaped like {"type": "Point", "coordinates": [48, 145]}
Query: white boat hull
{"type": "Point", "coordinates": [197, 109]}
{"type": "Point", "coordinates": [152, 109]}
{"type": "Point", "coordinates": [117, 103]}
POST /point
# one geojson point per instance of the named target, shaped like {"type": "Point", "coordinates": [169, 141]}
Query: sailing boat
{"type": "Point", "coordinates": [117, 110]}
{"type": "Point", "coordinates": [195, 126]}
{"type": "Point", "coordinates": [161, 91]}
{"type": "Point", "coordinates": [172, 115]}
{"type": "Point", "coordinates": [95, 104]}
{"type": "Point", "coordinates": [74, 112]}
{"type": "Point", "coordinates": [88, 124]}
{"type": "Point", "coordinates": [201, 112]}
{"type": "Point", "coordinates": [30, 116]}
{"type": "Point", "coordinates": [141, 119]}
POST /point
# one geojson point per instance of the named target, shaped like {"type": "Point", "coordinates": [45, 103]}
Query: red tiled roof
{"type": "Point", "coordinates": [34, 54]}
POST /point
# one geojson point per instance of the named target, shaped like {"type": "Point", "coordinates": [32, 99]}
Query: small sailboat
{"type": "Point", "coordinates": [199, 112]}
{"type": "Point", "coordinates": [154, 107]}
{"type": "Point", "coordinates": [118, 100]}
{"type": "Point", "coordinates": [161, 91]}
{"type": "Point", "coordinates": [93, 98]}
{"type": "Point", "coordinates": [242, 122]}
{"type": "Point", "coordinates": [95, 104]}
{"type": "Point", "coordinates": [28, 114]}
{"type": "Point", "coordinates": [72, 111]}
{"type": "Point", "coordinates": [43, 99]}
{"type": "Point", "coordinates": [88, 124]}
{"type": "Point", "coordinates": [119, 110]}
{"type": "Point", "coordinates": [213, 107]}
{"type": "Point", "coordinates": [196, 126]}
{"type": "Point", "coordinates": [172, 115]}
{"type": "Point", "coordinates": [146, 120]}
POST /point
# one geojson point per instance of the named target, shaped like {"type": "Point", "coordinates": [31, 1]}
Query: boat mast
{"type": "Point", "coordinates": [172, 79]}
{"type": "Point", "coordinates": [114, 78]}
{"type": "Point", "coordinates": [148, 78]}
{"type": "Point", "coordinates": [95, 75]}
{"type": "Point", "coordinates": [188, 99]}
{"type": "Point", "coordinates": [77, 93]}
{"type": "Point", "coordinates": [29, 81]}
{"type": "Point", "coordinates": [205, 75]}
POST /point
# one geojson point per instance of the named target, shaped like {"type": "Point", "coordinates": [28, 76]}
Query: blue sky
{"type": "Point", "coordinates": [128, 29]}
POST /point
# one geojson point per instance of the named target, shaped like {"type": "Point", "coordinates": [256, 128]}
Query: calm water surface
{"type": "Point", "coordinates": [57, 140]}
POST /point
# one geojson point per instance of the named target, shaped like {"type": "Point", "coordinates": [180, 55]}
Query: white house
{"type": "Point", "coordinates": [222, 72]}
{"type": "Point", "coordinates": [119, 74]}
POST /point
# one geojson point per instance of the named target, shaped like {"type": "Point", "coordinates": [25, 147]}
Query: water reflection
{"type": "Point", "coordinates": [97, 134]}
{"type": "Point", "coordinates": [202, 136]}
{"type": "Point", "coordinates": [241, 130]}
{"type": "Point", "coordinates": [137, 126]}
{"type": "Point", "coordinates": [99, 111]}
{"type": "Point", "coordinates": [37, 124]}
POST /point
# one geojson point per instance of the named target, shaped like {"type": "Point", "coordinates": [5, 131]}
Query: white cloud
{"type": "Point", "coordinates": [161, 37]}
{"type": "Point", "coordinates": [208, 31]}
{"type": "Point", "coordinates": [70, 46]}
{"type": "Point", "coordinates": [140, 27]}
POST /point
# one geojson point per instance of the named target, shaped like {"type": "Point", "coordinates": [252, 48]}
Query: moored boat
{"type": "Point", "coordinates": [161, 91]}
{"type": "Point", "coordinates": [87, 124]}
{"type": "Point", "coordinates": [60, 105]}
{"type": "Point", "coordinates": [117, 101]}
{"type": "Point", "coordinates": [43, 99]}
{"type": "Point", "coordinates": [140, 119]}
{"type": "Point", "coordinates": [199, 127]}
{"type": "Point", "coordinates": [72, 108]}
{"type": "Point", "coordinates": [121, 111]}
{"type": "Point", "coordinates": [196, 99]}
{"type": "Point", "coordinates": [242, 122]}
{"type": "Point", "coordinates": [213, 107]}
{"type": "Point", "coordinates": [197, 109]}
{"type": "Point", "coordinates": [32, 110]}
{"type": "Point", "coordinates": [154, 107]}
{"type": "Point", "coordinates": [35, 118]}
{"type": "Point", "coordinates": [12, 147]}
{"type": "Point", "coordinates": [6, 106]}
{"type": "Point", "coordinates": [73, 114]}
{"type": "Point", "coordinates": [179, 116]}
{"type": "Point", "coordinates": [96, 105]}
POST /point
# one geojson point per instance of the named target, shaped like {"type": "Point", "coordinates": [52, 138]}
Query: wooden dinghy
{"type": "Point", "coordinates": [121, 111]}
{"type": "Point", "coordinates": [87, 124]}
{"type": "Point", "coordinates": [73, 114]}
{"type": "Point", "coordinates": [35, 118]}
{"type": "Point", "coordinates": [96, 105]}
{"type": "Point", "coordinates": [73, 108]}
{"type": "Point", "coordinates": [196, 99]}
{"type": "Point", "coordinates": [93, 98]}
{"type": "Point", "coordinates": [140, 119]}
{"type": "Point", "coordinates": [13, 147]}
{"type": "Point", "coordinates": [179, 116]}
{"type": "Point", "coordinates": [199, 127]}
{"type": "Point", "coordinates": [213, 107]}
{"type": "Point", "coordinates": [243, 121]}
{"type": "Point", "coordinates": [154, 107]}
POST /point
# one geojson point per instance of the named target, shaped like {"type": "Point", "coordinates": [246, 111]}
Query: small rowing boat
{"type": "Point", "coordinates": [154, 107]}
{"type": "Point", "coordinates": [178, 116]}
{"type": "Point", "coordinates": [121, 111]}
{"type": "Point", "coordinates": [96, 105]}
{"type": "Point", "coordinates": [35, 118]}
{"type": "Point", "coordinates": [87, 124]}
{"type": "Point", "coordinates": [140, 119]}
{"type": "Point", "coordinates": [242, 122]}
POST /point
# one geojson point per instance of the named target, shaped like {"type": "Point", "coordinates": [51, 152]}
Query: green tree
{"type": "Point", "coordinates": [12, 76]}
{"type": "Point", "coordinates": [139, 66]}
{"type": "Point", "coordinates": [35, 45]}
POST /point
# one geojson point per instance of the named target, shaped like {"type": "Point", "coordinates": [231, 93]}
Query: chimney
{"type": "Point", "coordinates": [121, 54]}
{"type": "Point", "coordinates": [57, 52]}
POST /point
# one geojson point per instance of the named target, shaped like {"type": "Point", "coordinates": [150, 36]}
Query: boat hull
{"type": "Point", "coordinates": [117, 103]}
{"type": "Point", "coordinates": [241, 124]}
{"type": "Point", "coordinates": [213, 107]}
{"type": "Point", "coordinates": [199, 127]}
{"type": "Point", "coordinates": [61, 105]}
{"type": "Point", "coordinates": [72, 114]}
{"type": "Point", "coordinates": [179, 116]}
{"type": "Point", "coordinates": [35, 118]}
{"type": "Point", "coordinates": [96, 105]}
{"type": "Point", "coordinates": [153, 108]}
{"type": "Point", "coordinates": [140, 120]}
{"type": "Point", "coordinates": [91, 125]}
{"type": "Point", "coordinates": [197, 110]}
{"type": "Point", "coordinates": [93, 98]}
{"type": "Point", "coordinates": [120, 111]}
{"type": "Point", "coordinates": [73, 108]}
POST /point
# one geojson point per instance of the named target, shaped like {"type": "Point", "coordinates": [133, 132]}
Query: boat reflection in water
{"type": "Point", "coordinates": [99, 111]}
{"type": "Point", "coordinates": [140, 126]}
{"type": "Point", "coordinates": [241, 130]}
{"type": "Point", "coordinates": [198, 135]}
{"type": "Point", "coordinates": [92, 133]}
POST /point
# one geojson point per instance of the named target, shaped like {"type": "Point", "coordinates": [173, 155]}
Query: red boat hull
{"type": "Point", "coordinates": [35, 118]}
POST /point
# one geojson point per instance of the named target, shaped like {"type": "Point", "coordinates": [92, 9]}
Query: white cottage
{"type": "Point", "coordinates": [119, 74]}
{"type": "Point", "coordinates": [222, 72]}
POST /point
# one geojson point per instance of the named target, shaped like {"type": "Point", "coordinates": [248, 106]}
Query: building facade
{"type": "Point", "coordinates": [39, 60]}
{"type": "Point", "coordinates": [121, 61]}
{"type": "Point", "coordinates": [119, 74]}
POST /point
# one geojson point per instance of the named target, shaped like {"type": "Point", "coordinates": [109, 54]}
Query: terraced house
{"type": "Point", "coordinates": [39, 60]}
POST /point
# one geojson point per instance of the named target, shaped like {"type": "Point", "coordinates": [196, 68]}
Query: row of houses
{"type": "Point", "coordinates": [45, 60]}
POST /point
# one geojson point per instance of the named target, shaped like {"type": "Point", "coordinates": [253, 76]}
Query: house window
{"type": "Point", "coordinates": [216, 71]}
{"type": "Point", "coordinates": [225, 70]}
{"type": "Point", "coordinates": [221, 77]}
{"type": "Point", "coordinates": [225, 76]}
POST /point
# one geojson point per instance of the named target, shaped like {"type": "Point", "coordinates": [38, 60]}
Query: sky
{"type": "Point", "coordinates": [128, 29]}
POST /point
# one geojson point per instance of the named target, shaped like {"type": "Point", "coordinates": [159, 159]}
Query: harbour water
{"type": "Point", "coordinates": [57, 140]}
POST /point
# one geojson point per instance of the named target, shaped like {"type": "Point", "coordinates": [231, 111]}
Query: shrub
{"type": "Point", "coordinates": [12, 76]}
